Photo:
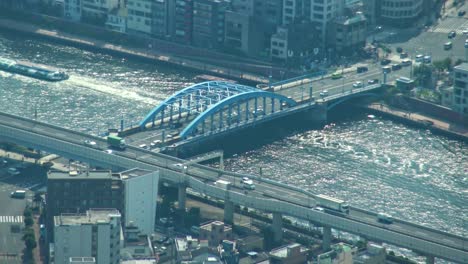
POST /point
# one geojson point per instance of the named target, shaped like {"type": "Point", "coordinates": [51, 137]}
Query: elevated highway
{"type": "Point", "coordinates": [269, 196]}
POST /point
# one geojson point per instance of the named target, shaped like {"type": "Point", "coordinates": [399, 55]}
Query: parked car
{"type": "Point", "coordinates": [399, 49]}
{"type": "Point", "coordinates": [406, 62]}
{"type": "Point", "coordinates": [403, 55]}
{"type": "Point", "coordinates": [461, 13]}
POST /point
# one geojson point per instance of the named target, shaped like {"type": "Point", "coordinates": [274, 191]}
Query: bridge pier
{"type": "Point", "coordinates": [318, 114]}
{"type": "Point", "coordinates": [430, 259]}
{"type": "Point", "coordinates": [182, 196]}
{"type": "Point", "coordinates": [326, 239]}
{"type": "Point", "coordinates": [228, 212]}
{"type": "Point", "coordinates": [278, 226]}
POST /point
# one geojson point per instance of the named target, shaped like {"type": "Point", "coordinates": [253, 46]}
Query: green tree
{"type": "Point", "coordinates": [27, 212]}
{"type": "Point", "coordinates": [423, 74]}
{"type": "Point", "coordinates": [28, 221]}
{"type": "Point", "coordinates": [30, 242]}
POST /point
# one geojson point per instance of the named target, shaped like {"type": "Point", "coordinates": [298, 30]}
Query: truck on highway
{"type": "Point", "coordinates": [116, 142]}
{"type": "Point", "coordinates": [384, 218]}
{"type": "Point", "coordinates": [331, 203]}
{"type": "Point", "coordinates": [223, 184]}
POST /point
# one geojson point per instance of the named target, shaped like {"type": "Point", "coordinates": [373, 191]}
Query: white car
{"type": "Point", "coordinates": [108, 151]}
{"type": "Point", "coordinates": [357, 85]}
{"type": "Point", "coordinates": [90, 143]}
{"type": "Point", "coordinates": [324, 93]}
{"type": "Point", "coordinates": [244, 179]}
{"type": "Point", "coordinates": [465, 31]}
{"type": "Point", "coordinates": [419, 58]}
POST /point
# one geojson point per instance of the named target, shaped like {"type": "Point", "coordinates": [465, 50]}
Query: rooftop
{"type": "Point", "coordinates": [462, 67]}
{"type": "Point", "coordinates": [286, 251]}
{"type": "Point", "coordinates": [92, 216]}
{"type": "Point", "coordinates": [79, 175]}
{"type": "Point", "coordinates": [133, 173]}
{"type": "Point", "coordinates": [210, 226]}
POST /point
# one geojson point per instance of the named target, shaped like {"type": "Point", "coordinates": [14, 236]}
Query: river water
{"type": "Point", "coordinates": [373, 163]}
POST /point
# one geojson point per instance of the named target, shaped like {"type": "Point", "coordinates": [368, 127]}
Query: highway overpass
{"type": "Point", "coordinates": [289, 200]}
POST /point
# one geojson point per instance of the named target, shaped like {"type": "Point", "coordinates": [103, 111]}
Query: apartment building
{"type": "Point", "coordinates": [348, 34]}
{"type": "Point", "coordinates": [139, 16]}
{"type": "Point", "coordinates": [79, 191]}
{"type": "Point", "coordinates": [183, 21]}
{"type": "Point", "coordinates": [208, 23]}
{"type": "Point", "coordinates": [460, 89]}
{"type": "Point", "coordinates": [97, 233]}
{"type": "Point", "coordinates": [400, 12]}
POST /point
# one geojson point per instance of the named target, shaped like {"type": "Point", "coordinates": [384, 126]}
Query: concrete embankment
{"type": "Point", "coordinates": [145, 54]}
{"type": "Point", "coordinates": [421, 120]}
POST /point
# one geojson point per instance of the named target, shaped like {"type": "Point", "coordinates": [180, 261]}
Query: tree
{"type": "Point", "coordinates": [27, 212]}
{"type": "Point", "coordinates": [30, 243]}
{"type": "Point", "coordinates": [28, 221]}
{"type": "Point", "coordinates": [423, 74]}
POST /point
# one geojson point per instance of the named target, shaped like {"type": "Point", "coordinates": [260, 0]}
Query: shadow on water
{"type": "Point", "coordinates": [267, 133]}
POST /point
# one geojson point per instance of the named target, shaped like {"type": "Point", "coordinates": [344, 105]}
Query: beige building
{"type": "Point", "coordinates": [215, 232]}
{"type": "Point", "coordinates": [340, 253]}
{"type": "Point", "coordinates": [96, 11]}
{"type": "Point", "coordinates": [460, 89]}
{"type": "Point", "coordinates": [348, 33]}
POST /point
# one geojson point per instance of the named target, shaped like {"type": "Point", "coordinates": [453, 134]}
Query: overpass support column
{"type": "Point", "coordinates": [430, 260]}
{"type": "Point", "coordinates": [278, 226]}
{"type": "Point", "coordinates": [228, 212]}
{"type": "Point", "coordinates": [326, 239]}
{"type": "Point", "coordinates": [182, 196]}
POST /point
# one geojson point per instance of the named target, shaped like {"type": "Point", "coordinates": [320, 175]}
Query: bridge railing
{"type": "Point", "coordinates": [302, 77]}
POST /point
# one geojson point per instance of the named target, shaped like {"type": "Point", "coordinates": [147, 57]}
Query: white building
{"type": "Point", "coordinates": [340, 253]}
{"type": "Point", "coordinates": [400, 12]}
{"type": "Point", "coordinates": [82, 260]}
{"type": "Point", "coordinates": [117, 20]}
{"type": "Point", "coordinates": [72, 10]}
{"type": "Point", "coordinates": [139, 16]}
{"type": "Point", "coordinates": [460, 89]}
{"type": "Point", "coordinates": [141, 194]}
{"type": "Point", "coordinates": [94, 234]}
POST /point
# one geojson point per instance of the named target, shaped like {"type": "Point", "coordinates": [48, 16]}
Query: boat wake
{"type": "Point", "coordinates": [92, 84]}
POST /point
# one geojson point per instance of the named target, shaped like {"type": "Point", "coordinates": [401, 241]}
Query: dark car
{"type": "Point", "coordinates": [403, 55]}
{"type": "Point", "coordinates": [452, 34]}
{"type": "Point", "coordinates": [396, 67]}
{"type": "Point", "coordinates": [399, 49]}
{"type": "Point", "coordinates": [461, 13]}
{"type": "Point", "coordinates": [385, 62]}
{"type": "Point", "coordinates": [362, 69]}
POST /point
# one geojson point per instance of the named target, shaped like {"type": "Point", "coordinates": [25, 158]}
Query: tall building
{"type": "Point", "coordinates": [208, 23]}
{"type": "Point", "coordinates": [160, 18]}
{"type": "Point", "coordinates": [94, 234]}
{"type": "Point", "coordinates": [323, 12]}
{"type": "Point", "coordinates": [183, 21]}
{"type": "Point", "coordinates": [296, 11]}
{"type": "Point", "coordinates": [140, 198]}
{"type": "Point", "coordinates": [460, 89]}
{"type": "Point", "coordinates": [400, 12]}
{"type": "Point", "coordinates": [77, 192]}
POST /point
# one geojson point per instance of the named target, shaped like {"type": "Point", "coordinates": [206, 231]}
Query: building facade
{"type": "Point", "coordinates": [400, 12]}
{"type": "Point", "coordinates": [208, 23]}
{"type": "Point", "coordinates": [215, 232]}
{"type": "Point", "coordinates": [289, 254]}
{"type": "Point", "coordinates": [460, 89]}
{"type": "Point", "coordinates": [139, 16]}
{"type": "Point", "coordinates": [348, 34]}
{"type": "Point", "coordinates": [323, 12]}
{"type": "Point", "coordinates": [140, 198]}
{"type": "Point", "coordinates": [117, 20]}
{"type": "Point", "coordinates": [72, 10]}
{"type": "Point", "coordinates": [183, 21]}
{"type": "Point", "coordinates": [77, 192]}
{"type": "Point", "coordinates": [95, 12]}
{"type": "Point", "coordinates": [94, 234]}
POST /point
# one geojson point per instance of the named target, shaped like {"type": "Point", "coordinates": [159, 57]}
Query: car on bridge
{"type": "Point", "coordinates": [324, 93]}
{"type": "Point", "coordinates": [90, 143]}
{"type": "Point", "coordinates": [357, 85]}
{"type": "Point", "coordinates": [336, 75]}
{"type": "Point", "coordinates": [373, 81]}
{"type": "Point", "coordinates": [384, 218]}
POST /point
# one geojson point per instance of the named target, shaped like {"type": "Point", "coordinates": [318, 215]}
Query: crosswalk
{"type": "Point", "coordinates": [11, 219]}
{"type": "Point", "coordinates": [451, 24]}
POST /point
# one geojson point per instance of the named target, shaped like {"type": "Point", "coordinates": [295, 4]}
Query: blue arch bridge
{"type": "Point", "coordinates": [215, 105]}
{"type": "Point", "coordinates": [212, 107]}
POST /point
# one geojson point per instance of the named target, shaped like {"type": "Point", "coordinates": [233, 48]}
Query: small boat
{"type": "Point", "coordinates": [371, 116]}
{"type": "Point", "coordinates": [31, 70]}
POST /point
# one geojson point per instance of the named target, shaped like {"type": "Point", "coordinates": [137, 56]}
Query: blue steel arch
{"type": "Point", "coordinates": [342, 100]}
{"type": "Point", "coordinates": [219, 86]}
{"type": "Point", "coordinates": [232, 100]}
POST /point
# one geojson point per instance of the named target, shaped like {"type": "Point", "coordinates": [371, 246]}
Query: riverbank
{"type": "Point", "coordinates": [144, 54]}
{"type": "Point", "coordinates": [421, 120]}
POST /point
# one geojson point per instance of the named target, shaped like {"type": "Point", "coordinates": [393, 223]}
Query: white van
{"type": "Point", "coordinates": [248, 184]}
{"type": "Point", "coordinates": [13, 171]}
{"type": "Point", "coordinates": [18, 194]}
